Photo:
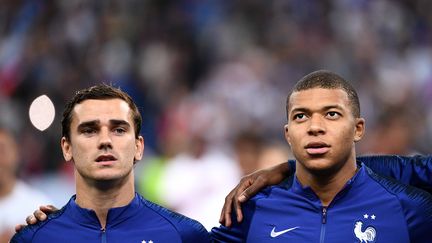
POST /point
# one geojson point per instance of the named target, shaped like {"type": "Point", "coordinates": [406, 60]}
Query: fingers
{"type": "Point", "coordinates": [245, 183]}
{"type": "Point", "coordinates": [252, 189]}
{"type": "Point", "coordinates": [239, 213]}
{"type": "Point", "coordinates": [43, 211]}
{"type": "Point", "coordinates": [39, 215]}
{"type": "Point", "coordinates": [249, 188]}
{"type": "Point", "coordinates": [231, 201]}
{"type": "Point", "coordinates": [31, 220]}
{"type": "Point", "coordinates": [47, 209]}
{"type": "Point", "coordinates": [19, 227]}
{"type": "Point", "coordinates": [225, 217]}
{"type": "Point", "coordinates": [237, 205]}
{"type": "Point", "coordinates": [241, 193]}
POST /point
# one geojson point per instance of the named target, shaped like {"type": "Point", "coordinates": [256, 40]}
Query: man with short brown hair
{"type": "Point", "coordinates": [101, 137]}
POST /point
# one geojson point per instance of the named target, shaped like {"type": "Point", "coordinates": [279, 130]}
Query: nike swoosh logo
{"type": "Point", "coordinates": [274, 234]}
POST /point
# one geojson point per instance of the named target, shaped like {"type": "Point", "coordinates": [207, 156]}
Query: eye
{"type": "Point", "coordinates": [119, 130]}
{"type": "Point", "coordinates": [88, 131]}
{"type": "Point", "coordinates": [333, 115]}
{"type": "Point", "coordinates": [299, 117]}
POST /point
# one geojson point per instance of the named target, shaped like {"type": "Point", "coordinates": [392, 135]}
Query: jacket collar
{"type": "Point", "coordinates": [309, 194]}
{"type": "Point", "coordinates": [88, 218]}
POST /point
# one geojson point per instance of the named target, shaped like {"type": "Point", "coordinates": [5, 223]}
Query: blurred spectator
{"type": "Point", "coordinates": [238, 55]}
{"type": "Point", "coordinates": [196, 184]}
{"type": "Point", "coordinates": [248, 146]}
{"type": "Point", "coordinates": [272, 153]}
{"type": "Point", "coordinates": [196, 180]}
{"type": "Point", "coordinates": [396, 132]}
{"type": "Point", "coordinates": [17, 199]}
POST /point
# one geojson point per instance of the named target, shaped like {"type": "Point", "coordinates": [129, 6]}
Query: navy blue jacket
{"type": "Point", "coordinates": [141, 221]}
{"type": "Point", "coordinates": [370, 208]}
{"type": "Point", "coordinates": [411, 170]}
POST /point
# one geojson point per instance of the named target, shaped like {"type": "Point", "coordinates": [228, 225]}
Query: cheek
{"type": "Point", "coordinates": [294, 138]}
{"type": "Point", "coordinates": [129, 151]}
{"type": "Point", "coordinates": [79, 155]}
{"type": "Point", "coordinates": [346, 136]}
{"type": "Point", "coordinates": [81, 152]}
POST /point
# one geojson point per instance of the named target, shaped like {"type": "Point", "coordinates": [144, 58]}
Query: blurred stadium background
{"type": "Point", "coordinates": [211, 79]}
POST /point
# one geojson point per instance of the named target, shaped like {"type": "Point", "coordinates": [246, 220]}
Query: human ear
{"type": "Point", "coordinates": [359, 129]}
{"type": "Point", "coordinates": [287, 138]}
{"type": "Point", "coordinates": [66, 149]}
{"type": "Point", "coordinates": [139, 148]}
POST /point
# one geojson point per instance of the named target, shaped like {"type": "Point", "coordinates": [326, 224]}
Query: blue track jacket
{"type": "Point", "coordinates": [370, 208]}
{"type": "Point", "coordinates": [412, 170]}
{"type": "Point", "coordinates": [139, 222]}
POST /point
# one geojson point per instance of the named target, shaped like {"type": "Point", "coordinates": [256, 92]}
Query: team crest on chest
{"type": "Point", "coordinates": [364, 231]}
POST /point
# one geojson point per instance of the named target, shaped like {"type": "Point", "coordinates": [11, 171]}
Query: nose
{"type": "Point", "coordinates": [316, 125]}
{"type": "Point", "coordinates": [104, 139]}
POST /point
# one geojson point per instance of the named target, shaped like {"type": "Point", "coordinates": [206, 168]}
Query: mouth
{"type": "Point", "coordinates": [317, 148]}
{"type": "Point", "coordinates": [106, 159]}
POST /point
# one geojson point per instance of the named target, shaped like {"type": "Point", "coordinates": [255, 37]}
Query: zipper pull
{"type": "Point", "coordinates": [324, 215]}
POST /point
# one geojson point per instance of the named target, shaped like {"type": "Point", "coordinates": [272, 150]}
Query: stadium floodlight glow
{"type": "Point", "coordinates": [42, 112]}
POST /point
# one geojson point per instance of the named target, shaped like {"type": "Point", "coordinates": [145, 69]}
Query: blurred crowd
{"type": "Point", "coordinates": [211, 78]}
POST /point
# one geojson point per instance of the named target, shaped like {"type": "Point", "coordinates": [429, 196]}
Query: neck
{"type": "Point", "coordinates": [100, 196]}
{"type": "Point", "coordinates": [327, 185]}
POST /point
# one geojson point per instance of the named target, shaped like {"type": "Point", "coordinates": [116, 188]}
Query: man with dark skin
{"type": "Point", "coordinates": [331, 195]}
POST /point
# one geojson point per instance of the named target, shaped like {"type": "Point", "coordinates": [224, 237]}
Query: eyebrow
{"type": "Point", "coordinates": [325, 108]}
{"type": "Point", "coordinates": [93, 123]}
{"type": "Point", "coordinates": [119, 123]}
{"type": "Point", "coordinates": [96, 123]}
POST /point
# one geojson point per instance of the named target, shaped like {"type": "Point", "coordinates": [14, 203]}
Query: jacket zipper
{"type": "Point", "coordinates": [323, 223]}
{"type": "Point", "coordinates": [103, 230]}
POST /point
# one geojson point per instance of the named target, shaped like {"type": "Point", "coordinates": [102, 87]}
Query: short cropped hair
{"type": "Point", "coordinates": [99, 92]}
{"type": "Point", "coordinates": [327, 80]}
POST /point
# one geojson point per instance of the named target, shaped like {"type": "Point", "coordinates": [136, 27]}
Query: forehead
{"type": "Point", "coordinates": [102, 110]}
{"type": "Point", "coordinates": [317, 98]}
